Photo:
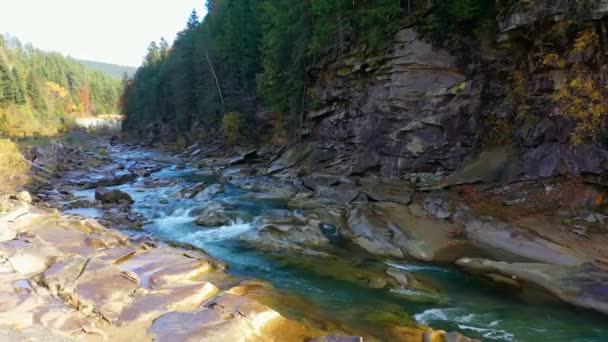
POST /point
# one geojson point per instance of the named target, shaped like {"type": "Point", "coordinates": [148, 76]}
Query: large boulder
{"type": "Point", "coordinates": [288, 232]}
{"type": "Point", "coordinates": [511, 243]}
{"type": "Point", "coordinates": [53, 155]}
{"type": "Point", "coordinates": [214, 214]}
{"type": "Point", "coordinates": [106, 195]}
{"type": "Point", "coordinates": [393, 230]}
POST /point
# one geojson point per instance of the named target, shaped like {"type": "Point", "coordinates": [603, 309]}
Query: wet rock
{"type": "Point", "coordinates": [276, 233]}
{"type": "Point", "coordinates": [190, 191]}
{"type": "Point", "coordinates": [112, 196]}
{"type": "Point", "coordinates": [214, 214]}
{"type": "Point", "coordinates": [209, 192]}
{"type": "Point", "coordinates": [214, 219]}
{"type": "Point", "coordinates": [583, 286]}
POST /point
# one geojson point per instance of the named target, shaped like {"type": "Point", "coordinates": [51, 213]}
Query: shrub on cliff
{"type": "Point", "coordinates": [13, 168]}
{"type": "Point", "coordinates": [234, 125]}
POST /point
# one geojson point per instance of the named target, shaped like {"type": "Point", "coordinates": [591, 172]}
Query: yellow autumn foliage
{"type": "Point", "coordinates": [13, 167]}
{"type": "Point", "coordinates": [581, 97]}
{"type": "Point", "coordinates": [57, 90]}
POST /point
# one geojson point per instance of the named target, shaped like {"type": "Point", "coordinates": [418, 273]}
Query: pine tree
{"type": "Point", "coordinates": [193, 21]}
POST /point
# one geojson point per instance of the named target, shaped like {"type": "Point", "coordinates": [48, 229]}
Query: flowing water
{"type": "Point", "coordinates": [465, 304]}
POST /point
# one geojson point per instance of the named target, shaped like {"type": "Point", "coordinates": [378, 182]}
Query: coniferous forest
{"type": "Point", "coordinates": [42, 92]}
{"type": "Point", "coordinates": [253, 56]}
{"type": "Point", "coordinates": [246, 54]}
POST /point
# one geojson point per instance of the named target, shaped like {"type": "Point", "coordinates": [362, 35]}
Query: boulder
{"type": "Point", "coordinates": [214, 219]}
{"type": "Point", "coordinates": [53, 155]}
{"type": "Point", "coordinates": [190, 191]}
{"type": "Point", "coordinates": [106, 179]}
{"type": "Point", "coordinates": [112, 196]}
{"type": "Point", "coordinates": [392, 230]}
{"type": "Point", "coordinates": [511, 243]}
{"type": "Point", "coordinates": [209, 192]}
{"type": "Point", "coordinates": [276, 233]}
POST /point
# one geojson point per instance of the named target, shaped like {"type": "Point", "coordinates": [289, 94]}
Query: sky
{"type": "Point", "coordinates": [111, 31]}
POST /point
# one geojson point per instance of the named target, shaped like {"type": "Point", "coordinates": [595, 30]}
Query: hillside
{"type": "Point", "coordinates": [113, 70]}
{"type": "Point", "coordinates": [42, 92]}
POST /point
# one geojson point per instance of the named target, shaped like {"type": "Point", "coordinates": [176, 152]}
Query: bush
{"type": "Point", "coordinates": [234, 125]}
{"type": "Point", "coordinates": [13, 168]}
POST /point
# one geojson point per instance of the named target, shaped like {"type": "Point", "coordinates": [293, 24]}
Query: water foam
{"type": "Point", "coordinates": [416, 267]}
{"type": "Point", "coordinates": [221, 233]}
{"type": "Point", "coordinates": [465, 321]}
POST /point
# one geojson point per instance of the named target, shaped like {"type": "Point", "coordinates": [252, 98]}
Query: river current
{"type": "Point", "coordinates": [309, 290]}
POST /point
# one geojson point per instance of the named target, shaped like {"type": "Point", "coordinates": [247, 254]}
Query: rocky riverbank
{"type": "Point", "coordinates": [549, 234]}
{"type": "Point", "coordinates": [67, 278]}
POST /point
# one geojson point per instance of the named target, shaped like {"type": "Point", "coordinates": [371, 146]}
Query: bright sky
{"type": "Point", "coordinates": [111, 31]}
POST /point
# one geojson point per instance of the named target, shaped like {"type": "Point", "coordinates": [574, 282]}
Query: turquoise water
{"type": "Point", "coordinates": [464, 304]}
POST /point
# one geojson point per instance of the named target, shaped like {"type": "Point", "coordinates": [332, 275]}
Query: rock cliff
{"type": "Point", "coordinates": [420, 105]}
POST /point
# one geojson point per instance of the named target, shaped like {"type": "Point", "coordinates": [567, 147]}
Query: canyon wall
{"type": "Point", "coordinates": [424, 106]}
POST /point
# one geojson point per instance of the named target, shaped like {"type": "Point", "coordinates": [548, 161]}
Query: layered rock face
{"type": "Point", "coordinates": [423, 106]}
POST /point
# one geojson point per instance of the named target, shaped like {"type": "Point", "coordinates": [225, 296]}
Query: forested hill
{"type": "Point", "coordinates": [248, 53]}
{"type": "Point", "coordinates": [116, 71]}
{"type": "Point", "coordinates": [390, 85]}
{"type": "Point", "coordinates": [43, 92]}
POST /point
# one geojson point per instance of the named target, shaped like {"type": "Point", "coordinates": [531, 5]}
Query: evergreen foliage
{"type": "Point", "coordinates": [41, 92]}
{"type": "Point", "coordinates": [248, 55]}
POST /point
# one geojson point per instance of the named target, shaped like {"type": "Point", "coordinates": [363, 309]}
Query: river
{"type": "Point", "coordinates": [313, 290]}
